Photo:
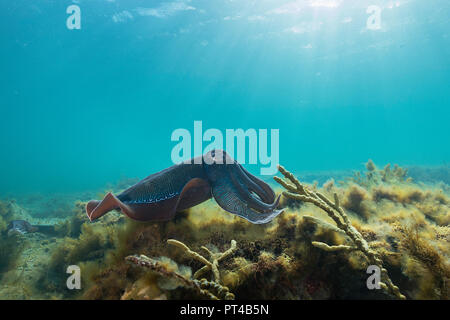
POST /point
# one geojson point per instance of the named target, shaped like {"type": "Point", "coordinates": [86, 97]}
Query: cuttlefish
{"type": "Point", "coordinates": [215, 174]}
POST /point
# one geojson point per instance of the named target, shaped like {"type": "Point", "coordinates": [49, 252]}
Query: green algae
{"type": "Point", "coordinates": [406, 222]}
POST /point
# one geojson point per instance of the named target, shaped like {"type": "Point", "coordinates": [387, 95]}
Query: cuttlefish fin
{"type": "Point", "coordinates": [227, 197]}
{"type": "Point", "coordinates": [194, 192]}
{"type": "Point", "coordinates": [95, 209]}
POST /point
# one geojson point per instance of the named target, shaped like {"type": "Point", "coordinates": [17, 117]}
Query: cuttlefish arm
{"type": "Point", "coordinates": [159, 196]}
{"type": "Point", "coordinates": [230, 199]}
{"type": "Point", "coordinates": [239, 192]}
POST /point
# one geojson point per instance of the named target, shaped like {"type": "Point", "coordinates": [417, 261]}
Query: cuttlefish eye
{"type": "Point", "coordinates": [215, 157]}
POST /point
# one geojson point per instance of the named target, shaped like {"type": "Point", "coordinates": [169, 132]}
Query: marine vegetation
{"type": "Point", "coordinates": [10, 247]}
{"type": "Point", "coordinates": [319, 248]}
{"type": "Point", "coordinates": [297, 191]}
{"type": "Point", "coordinates": [6, 214]}
{"type": "Point", "coordinates": [210, 289]}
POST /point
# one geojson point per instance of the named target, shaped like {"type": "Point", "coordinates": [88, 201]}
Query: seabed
{"type": "Point", "coordinates": [319, 248]}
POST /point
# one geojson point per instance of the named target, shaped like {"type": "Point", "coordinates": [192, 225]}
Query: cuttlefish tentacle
{"type": "Point", "coordinates": [262, 189]}
{"type": "Point", "coordinates": [245, 191]}
{"type": "Point", "coordinates": [182, 186]}
{"type": "Point", "coordinates": [232, 189]}
{"type": "Point", "coordinates": [268, 193]}
{"type": "Point", "coordinates": [245, 183]}
{"type": "Point", "coordinates": [229, 199]}
{"type": "Point", "coordinates": [251, 185]}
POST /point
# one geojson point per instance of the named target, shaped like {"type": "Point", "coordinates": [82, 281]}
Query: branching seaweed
{"type": "Point", "coordinates": [212, 264]}
{"type": "Point", "coordinates": [213, 290]}
{"type": "Point", "coordinates": [209, 289]}
{"type": "Point", "coordinates": [298, 191]}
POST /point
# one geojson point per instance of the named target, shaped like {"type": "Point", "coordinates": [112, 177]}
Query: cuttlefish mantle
{"type": "Point", "coordinates": [159, 196]}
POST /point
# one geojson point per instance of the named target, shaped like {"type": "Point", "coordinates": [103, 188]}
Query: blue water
{"type": "Point", "coordinates": [80, 108]}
